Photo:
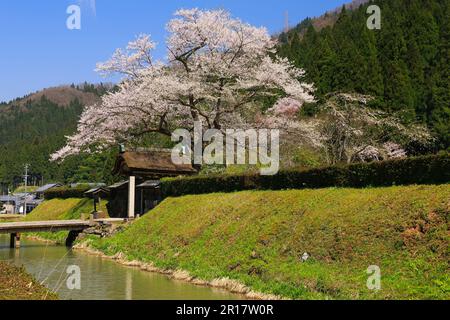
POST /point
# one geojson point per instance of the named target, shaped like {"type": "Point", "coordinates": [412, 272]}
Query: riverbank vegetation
{"type": "Point", "coordinates": [16, 284]}
{"type": "Point", "coordinates": [302, 244]}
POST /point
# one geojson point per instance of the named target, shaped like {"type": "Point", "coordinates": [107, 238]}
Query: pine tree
{"type": "Point", "coordinates": [440, 87]}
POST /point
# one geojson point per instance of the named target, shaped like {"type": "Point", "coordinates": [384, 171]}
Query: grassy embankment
{"type": "Point", "coordinates": [258, 238]}
{"type": "Point", "coordinates": [16, 284]}
{"type": "Point", "coordinates": [61, 209]}
{"type": "Point", "coordinates": [10, 218]}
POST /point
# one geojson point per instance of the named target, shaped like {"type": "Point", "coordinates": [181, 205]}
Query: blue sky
{"type": "Point", "coordinates": [38, 51]}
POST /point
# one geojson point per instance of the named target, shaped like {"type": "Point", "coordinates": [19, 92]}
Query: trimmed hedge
{"type": "Point", "coordinates": [66, 192]}
{"type": "Point", "coordinates": [433, 169]}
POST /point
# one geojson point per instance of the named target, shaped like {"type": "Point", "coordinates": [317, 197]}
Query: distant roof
{"type": "Point", "coordinates": [90, 184]}
{"type": "Point", "coordinates": [97, 190]}
{"type": "Point", "coordinates": [48, 187]}
{"type": "Point", "coordinates": [150, 184]}
{"type": "Point", "coordinates": [21, 195]}
{"type": "Point", "coordinates": [152, 163]}
{"type": "Point", "coordinates": [8, 199]}
{"type": "Point", "coordinates": [118, 185]}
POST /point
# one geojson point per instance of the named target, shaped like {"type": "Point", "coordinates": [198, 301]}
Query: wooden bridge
{"type": "Point", "coordinates": [73, 226]}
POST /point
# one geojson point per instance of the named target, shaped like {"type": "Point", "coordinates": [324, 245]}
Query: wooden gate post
{"type": "Point", "coordinates": [131, 197]}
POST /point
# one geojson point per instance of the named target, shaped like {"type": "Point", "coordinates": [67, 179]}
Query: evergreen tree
{"type": "Point", "coordinates": [404, 65]}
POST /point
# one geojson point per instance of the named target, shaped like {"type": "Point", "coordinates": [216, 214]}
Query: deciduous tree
{"type": "Point", "coordinates": [218, 69]}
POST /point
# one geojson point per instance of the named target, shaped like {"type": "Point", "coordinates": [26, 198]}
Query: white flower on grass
{"type": "Point", "coordinates": [305, 257]}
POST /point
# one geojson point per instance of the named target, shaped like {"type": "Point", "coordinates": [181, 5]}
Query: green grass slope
{"type": "Point", "coordinates": [259, 238]}
{"type": "Point", "coordinates": [62, 209]}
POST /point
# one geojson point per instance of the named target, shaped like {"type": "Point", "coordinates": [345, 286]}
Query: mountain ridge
{"type": "Point", "coordinates": [62, 95]}
{"type": "Point", "coordinates": [327, 19]}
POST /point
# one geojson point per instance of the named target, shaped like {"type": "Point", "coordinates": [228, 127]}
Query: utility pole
{"type": "Point", "coordinates": [25, 177]}
{"type": "Point", "coordinates": [9, 202]}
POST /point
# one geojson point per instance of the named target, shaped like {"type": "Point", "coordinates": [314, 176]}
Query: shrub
{"type": "Point", "coordinates": [433, 169]}
{"type": "Point", "coordinates": [66, 192]}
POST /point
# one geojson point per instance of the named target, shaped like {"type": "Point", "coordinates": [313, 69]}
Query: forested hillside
{"type": "Point", "coordinates": [33, 127]}
{"type": "Point", "coordinates": [405, 64]}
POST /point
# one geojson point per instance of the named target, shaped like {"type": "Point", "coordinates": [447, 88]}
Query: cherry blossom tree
{"type": "Point", "coordinates": [218, 68]}
{"type": "Point", "coordinates": [286, 107]}
{"type": "Point", "coordinates": [344, 129]}
{"type": "Point", "coordinates": [352, 131]}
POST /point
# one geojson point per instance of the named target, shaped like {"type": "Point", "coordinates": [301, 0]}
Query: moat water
{"type": "Point", "coordinates": [101, 279]}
